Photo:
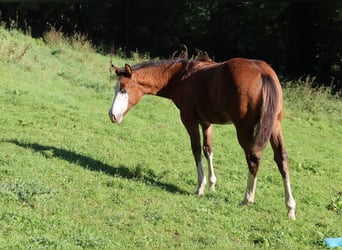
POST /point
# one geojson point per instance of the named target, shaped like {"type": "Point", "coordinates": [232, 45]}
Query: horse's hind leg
{"type": "Point", "coordinates": [208, 152]}
{"type": "Point", "coordinates": [253, 160]}
{"type": "Point", "coordinates": [253, 157]}
{"type": "Point", "coordinates": [280, 157]}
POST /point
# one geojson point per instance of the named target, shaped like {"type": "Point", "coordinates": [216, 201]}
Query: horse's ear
{"type": "Point", "coordinates": [116, 70]}
{"type": "Point", "coordinates": [128, 70]}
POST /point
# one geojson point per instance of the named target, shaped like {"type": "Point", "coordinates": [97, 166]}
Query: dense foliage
{"type": "Point", "coordinates": [296, 37]}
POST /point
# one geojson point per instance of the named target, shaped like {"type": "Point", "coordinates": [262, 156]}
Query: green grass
{"type": "Point", "coordinates": [71, 179]}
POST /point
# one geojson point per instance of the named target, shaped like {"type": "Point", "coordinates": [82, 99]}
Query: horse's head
{"type": "Point", "coordinates": [126, 93]}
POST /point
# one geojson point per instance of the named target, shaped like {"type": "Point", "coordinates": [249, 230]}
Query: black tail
{"type": "Point", "coordinates": [268, 111]}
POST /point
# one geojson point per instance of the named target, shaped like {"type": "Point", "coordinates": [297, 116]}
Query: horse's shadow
{"type": "Point", "coordinates": [95, 165]}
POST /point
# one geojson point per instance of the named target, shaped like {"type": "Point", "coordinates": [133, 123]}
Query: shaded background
{"type": "Point", "coordinates": [297, 37]}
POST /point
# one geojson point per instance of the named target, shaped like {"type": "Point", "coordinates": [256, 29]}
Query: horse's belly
{"type": "Point", "coordinates": [215, 117]}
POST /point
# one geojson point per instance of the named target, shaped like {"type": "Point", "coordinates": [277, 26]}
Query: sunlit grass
{"type": "Point", "coordinates": [70, 179]}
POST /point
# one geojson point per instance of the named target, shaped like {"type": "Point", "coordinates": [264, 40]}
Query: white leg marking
{"type": "Point", "coordinates": [250, 190]}
{"type": "Point", "coordinates": [289, 200]}
{"type": "Point", "coordinates": [202, 181]}
{"type": "Point", "coordinates": [212, 177]}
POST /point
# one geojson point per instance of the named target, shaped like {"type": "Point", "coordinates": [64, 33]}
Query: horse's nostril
{"type": "Point", "coordinates": [113, 118]}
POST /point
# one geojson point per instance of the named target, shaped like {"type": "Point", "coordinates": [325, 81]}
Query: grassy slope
{"type": "Point", "coordinates": [71, 179]}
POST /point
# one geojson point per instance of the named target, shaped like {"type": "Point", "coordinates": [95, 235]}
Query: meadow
{"type": "Point", "coordinates": [70, 179]}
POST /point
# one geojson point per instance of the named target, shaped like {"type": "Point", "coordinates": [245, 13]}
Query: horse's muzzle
{"type": "Point", "coordinates": [112, 117]}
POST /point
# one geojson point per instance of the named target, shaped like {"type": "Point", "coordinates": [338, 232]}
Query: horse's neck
{"type": "Point", "coordinates": [159, 81]}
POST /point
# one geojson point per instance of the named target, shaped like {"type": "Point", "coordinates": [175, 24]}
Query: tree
{"type": "Point", "coordinates": [296, 37]}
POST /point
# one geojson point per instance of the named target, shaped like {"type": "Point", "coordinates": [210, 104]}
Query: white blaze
{"type": "Point", "coordinates": [119, 105]}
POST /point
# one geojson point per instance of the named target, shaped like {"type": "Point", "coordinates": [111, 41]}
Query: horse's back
{"type": "Point", "coordinates": [225, 92]}
{"type": "Point", "coordinates": [247, 74]}
{"type": "Point", "coordinates": [243, 87]}
{"type": "Point", "coordinates": [242, 68]}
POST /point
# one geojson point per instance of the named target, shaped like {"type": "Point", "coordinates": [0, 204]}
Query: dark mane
{"type": "Point", "coordinates": [203, 58]}
{"type": "Point", "coordinates": [169, 62]}
{"type": "Point", "coordinates": [157, 63]}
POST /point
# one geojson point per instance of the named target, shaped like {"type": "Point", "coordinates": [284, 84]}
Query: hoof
{"type": "Point", "coordinates": [245, 203]}
{"type": "Point", "coordinates": [212, 187]}
{"type": "Point", "coordinates": [200, 191]}
{"type": "Point", "coordinates": [291, 214]}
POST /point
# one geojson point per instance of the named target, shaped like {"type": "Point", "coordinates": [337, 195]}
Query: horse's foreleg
{"type": "Point", "coordinates": [202, 180]}
{"type": "Point", "coordinates": [208, 152]}
{"type": "Point", "coordinates": [280, 157]}
{"type": "Point", "coordinates": [193, 130]}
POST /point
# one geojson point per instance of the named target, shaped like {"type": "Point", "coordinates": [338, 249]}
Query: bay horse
{"type": "Point", "coordinates": [241, 91]}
